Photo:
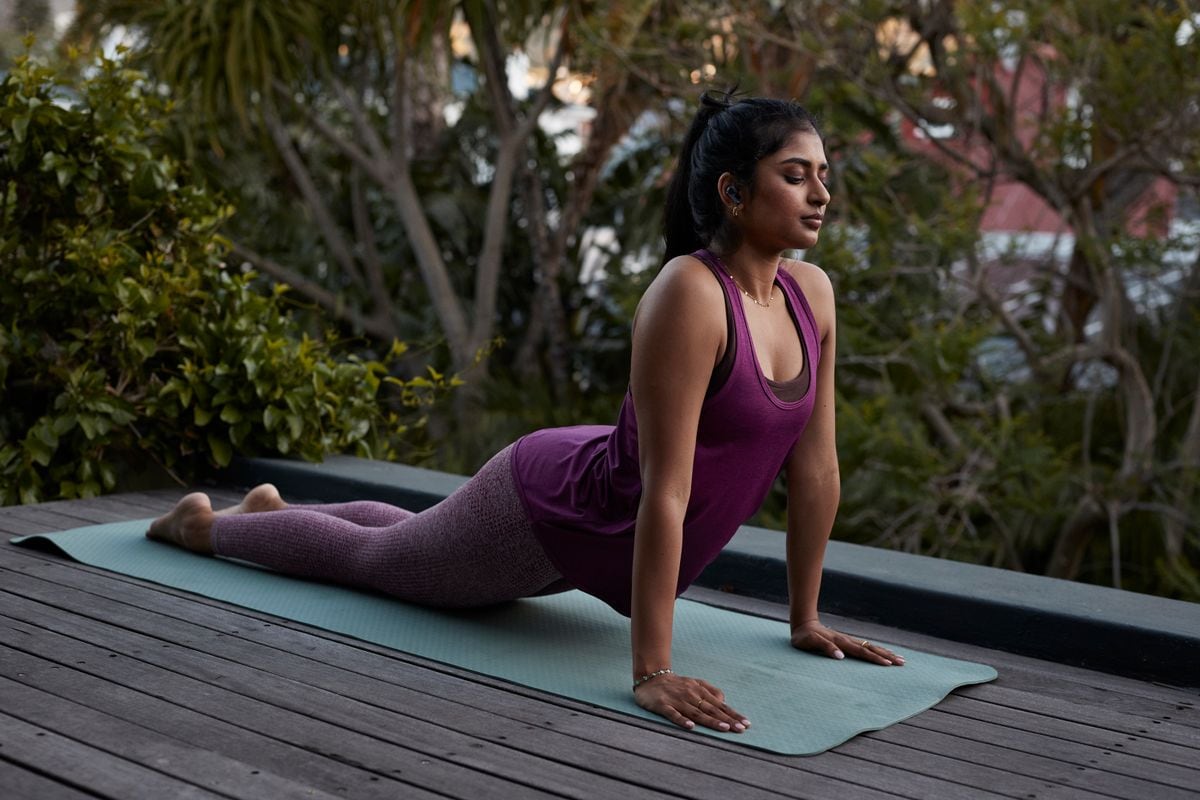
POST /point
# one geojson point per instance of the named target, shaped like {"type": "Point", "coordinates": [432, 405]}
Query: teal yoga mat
{"type": "Point", "coordinates": [570, 644]}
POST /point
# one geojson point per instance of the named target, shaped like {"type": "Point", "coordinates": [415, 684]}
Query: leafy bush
{"type": "Point", "coordinates": [125, 341]}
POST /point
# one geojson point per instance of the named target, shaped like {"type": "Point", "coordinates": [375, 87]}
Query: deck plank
{"type": "Point", "coordinates": [315, 708]}
{"type": "Point", "coordinates": [248, 698]}
{"type": "Point", "coordinates": [1060, 765]}
{"type": "Point", "coordinates": [145, 707]}
{"type": "Point", "coordinates": [165, 754]}
{"type": "Point", "coordinates": [21, 784]}
{"type": "Point", "coordinates": [1107, 731]}
{"type": "Point", "coordinates": [41, 750]}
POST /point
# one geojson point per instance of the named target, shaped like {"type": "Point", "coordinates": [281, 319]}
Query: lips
{"type": "Point", "coordinates": [813, 221]}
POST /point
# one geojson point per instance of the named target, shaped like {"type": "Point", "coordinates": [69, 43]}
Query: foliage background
{"type": "Point", "coordinates": [126, 341]}
{"type": "Point", "coordinates": [386, 169]}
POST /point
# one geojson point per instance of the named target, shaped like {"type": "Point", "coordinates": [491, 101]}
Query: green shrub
{"type": "Point", "coordinates": [126, 343]}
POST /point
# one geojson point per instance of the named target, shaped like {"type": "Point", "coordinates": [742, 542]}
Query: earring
{"type": "Point", "coordinates": [737, 209]}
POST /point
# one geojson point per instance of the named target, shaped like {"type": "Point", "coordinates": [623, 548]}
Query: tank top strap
{"type": "Point", "coordinates": [740, 328]}
{"type": "Point", "coordinates": [804, 315]}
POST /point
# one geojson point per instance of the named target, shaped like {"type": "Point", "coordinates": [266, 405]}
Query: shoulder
{"type": "Point", "coordinates": [688, 274]}
{"type": "Point", "coordinates": [683, 287]}
{"type": "Point", "coordinates": [817, 288]}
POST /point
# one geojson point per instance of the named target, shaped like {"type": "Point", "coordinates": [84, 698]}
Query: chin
{"type": "Point", "coordinates": [805, 242]}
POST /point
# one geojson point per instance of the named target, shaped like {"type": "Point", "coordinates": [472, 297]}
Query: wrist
{"type": "Point", "coordinates": [649, 676]}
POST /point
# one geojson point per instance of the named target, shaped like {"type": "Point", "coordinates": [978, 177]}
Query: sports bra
{"type": "Point", "coordinates": [788, 391]}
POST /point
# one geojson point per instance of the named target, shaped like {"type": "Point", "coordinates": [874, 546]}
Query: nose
{"type": "Point", "coordinates": [819, 196]}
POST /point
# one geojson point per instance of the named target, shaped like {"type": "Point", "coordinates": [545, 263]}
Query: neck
{"type": "Point", "coordinates": [754, 271]}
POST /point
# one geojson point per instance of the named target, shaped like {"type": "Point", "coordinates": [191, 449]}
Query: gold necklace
{"type": "Point", "coordinates": [753, 299]}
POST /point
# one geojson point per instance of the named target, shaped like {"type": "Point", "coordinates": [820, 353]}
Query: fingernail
{"type": "Point", "coordinates": [899, 659]}
{"type": "Point", "coordinates": [723, 726]}
{"type": "Point", "coordinates": [739, 727]}
{"type": "Point", "coordinates": [746, 722]}
{"type": "Point", "coordinates": [838, 654]}
{"type": "Point", "coordinates": [689, 724]}
{"type": "Point", "coordinates": [886, 662]}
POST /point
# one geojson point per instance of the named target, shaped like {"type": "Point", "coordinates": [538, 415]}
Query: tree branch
{"type": "Point", "coordinates": [312, 197]}
{"type": "Point", "coordinates": [513, 142]}
{"type": "Point", "coordinates": [397, 182]}
{"type": "Point", "coordinates": [314, 291]}
{"type": "Point", "coordinates": [364, 231]}
{"type": "Point", "coordinates": [367, 163]}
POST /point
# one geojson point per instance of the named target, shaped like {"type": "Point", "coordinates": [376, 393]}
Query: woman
{"type": "Point", "coordinates": [728, 387]}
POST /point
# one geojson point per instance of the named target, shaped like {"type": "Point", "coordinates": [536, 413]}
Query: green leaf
{"type": "Point", "coordinates": [45, 432]}
{"type": "Point", "coordinates": [108, 476]}
{"type": "Point", "coordinates": [222, 452]}
{"type": "Point", "coordinates": [38, 452]}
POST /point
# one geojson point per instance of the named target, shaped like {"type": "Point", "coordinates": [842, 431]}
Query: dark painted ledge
{"type": "Point", "coordinates": [1125, 633]}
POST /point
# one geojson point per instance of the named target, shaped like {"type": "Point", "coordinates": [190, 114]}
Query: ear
{"type": "Point", "coordinates": [730, 193]}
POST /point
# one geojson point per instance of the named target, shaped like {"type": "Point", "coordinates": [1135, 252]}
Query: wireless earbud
{"type": "Point", "coordinates": [733, 194]}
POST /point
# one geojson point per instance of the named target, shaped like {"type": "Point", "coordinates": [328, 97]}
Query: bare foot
{"type": "Point", "coordinates": [188, 525]}
{"type": "Point", "coordinates": [263, 497]}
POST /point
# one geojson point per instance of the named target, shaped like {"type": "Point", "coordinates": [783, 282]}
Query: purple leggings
{"type": "Point", "coordinates": [474, 548]}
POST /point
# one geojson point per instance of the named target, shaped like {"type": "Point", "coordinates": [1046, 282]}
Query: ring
{"type": "Point", "coordinates": [864, 643]}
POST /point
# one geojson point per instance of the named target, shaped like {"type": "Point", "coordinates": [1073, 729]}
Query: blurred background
{"type": "Point", "coordinates": [430, 223]}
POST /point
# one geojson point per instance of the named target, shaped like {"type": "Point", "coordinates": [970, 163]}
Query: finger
{"type": "Point", "coordinates": [872, 652]}
{"type": "Point", "coordinates": [674, 715]}
{"type": "Point", "coordinates": [736, 718]}
{"type": "Point", "coordinates": [716, 694]}
{"type": "Point", "coordinates": [714, 704]}
{"type": "Point", "coordinates": [895, 658]}
{"type": "Point", "coordinates": [701, 715]}
{"type": "Point", "coordinates": [721, 711]}
{"type": "Point", "coordinates": [825, 645]}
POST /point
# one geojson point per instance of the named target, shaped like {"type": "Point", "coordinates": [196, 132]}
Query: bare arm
{"type": "Point", "coordinates": [678, 332]}
{"type": "Point", "coordinates": [814, 490]}
{"type": "Point", "coordinates": [813, 476]}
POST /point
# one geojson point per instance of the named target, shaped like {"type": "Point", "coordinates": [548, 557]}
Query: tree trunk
{"type": "Point", "coordinates": [1188, 458]}
{"type": "Point", "coordinates": [1075, 536]}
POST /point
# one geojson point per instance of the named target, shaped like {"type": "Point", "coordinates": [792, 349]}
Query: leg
{"type": "Point", "coordinates": [188, 524]}
{"type": "Point", "coordinates": [474, 548]}
{"type": "Point", "coordinates": [366, 513]}
{"type": "Point", "coordinates": [265, 497]}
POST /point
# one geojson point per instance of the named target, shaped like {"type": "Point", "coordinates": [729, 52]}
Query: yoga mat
{"type": "Point", "coordinates": [569, 644]}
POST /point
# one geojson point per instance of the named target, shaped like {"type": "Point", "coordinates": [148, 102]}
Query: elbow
{"type": "Point", "coordinates": [825, 480]}
{"type": "Point", "coordinates": [666, 504]}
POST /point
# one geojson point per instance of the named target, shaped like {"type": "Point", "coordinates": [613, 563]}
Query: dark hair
{"type": "Point", "coordinates": [727, 135]}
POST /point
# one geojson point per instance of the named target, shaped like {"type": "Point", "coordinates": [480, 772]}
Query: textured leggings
{"type": "Point", "coordinates": [474, 548]}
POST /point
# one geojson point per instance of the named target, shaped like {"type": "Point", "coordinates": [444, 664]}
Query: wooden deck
{"type": "Point", "coordinates": [112, 687]}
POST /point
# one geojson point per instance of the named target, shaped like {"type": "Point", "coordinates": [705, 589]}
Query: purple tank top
{"type": "Point", "coordinates": [581, 485]}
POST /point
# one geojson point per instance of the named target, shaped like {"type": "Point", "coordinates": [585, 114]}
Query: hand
{"type": "Point", "coordinates": [816, 638]}
{"type": "Point", "coordinates": [686, 701]}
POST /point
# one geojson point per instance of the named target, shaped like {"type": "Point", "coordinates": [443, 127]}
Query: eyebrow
{"type": "Point", "coordinates": [803, 162]}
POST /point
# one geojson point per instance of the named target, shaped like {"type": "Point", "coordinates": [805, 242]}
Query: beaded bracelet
{"type": "Point", "coordinates": [655, 674]}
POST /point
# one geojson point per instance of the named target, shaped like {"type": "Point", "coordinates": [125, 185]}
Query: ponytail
{"type": "Point", "coordinates": [679, 227]}
{"type": "Point", "coordinates": [727, 135]}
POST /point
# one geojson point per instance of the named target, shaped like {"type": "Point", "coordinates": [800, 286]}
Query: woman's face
{"type": "Point", "coordinates": [787, 207]}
